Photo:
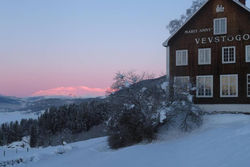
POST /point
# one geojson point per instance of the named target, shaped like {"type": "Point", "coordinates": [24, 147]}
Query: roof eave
{"type": "Point", "coordinates": [165, 44]}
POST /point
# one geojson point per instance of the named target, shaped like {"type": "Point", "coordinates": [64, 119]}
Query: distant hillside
{"type": "Point", "coordinates": [9, 100]}
{"type": "Point", "coordinates": [34, 104]}
{"type": "Point", "coordinates": [10, 103]}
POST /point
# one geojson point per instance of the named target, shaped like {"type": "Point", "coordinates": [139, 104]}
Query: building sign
{"type": "Point", "coordinates": [225, 38]}
{"type": "Point", "coordinates": [216, 39]}
{"type": "Point", "coordinates": [195, 31]}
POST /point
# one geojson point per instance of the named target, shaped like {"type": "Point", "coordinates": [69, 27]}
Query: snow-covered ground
{"type": "Point", "coordinates": [17, 116]}
{"type": "Point", "coordinates": [225, 107]}
{"type": "Point", "coordinates": [223, 141]}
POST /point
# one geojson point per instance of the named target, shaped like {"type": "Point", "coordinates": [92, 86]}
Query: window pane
{"type": "Point", "coordinates": [178, 58]}
{"type": "Point", "coordinates": [201, 86]}
{"type": "Point", "coordinates": [202, 57]}
{"type": "Point", "coordinates": [225, 55]}
{"type": "Point", "coordinates": [224, 85]}
{"type": "Point", "coordinates": [233, 85]}
{"type": "Point", "coordinates": [231, 54]}
{"type": "Point", "coordinates": [223, 26]}
{"type": "Point", "coordinates": [248, 53]}
{"type": "Point", "coordinates": [206, 55]}
{"type": "Point", "coordinates": [184, 61]}
{"type": "Point", "coordinates": [248, 84]}
{"type": "Point", "coordinates": [217, 22]}
{"type": "Point", "coordinates": [208, 88]}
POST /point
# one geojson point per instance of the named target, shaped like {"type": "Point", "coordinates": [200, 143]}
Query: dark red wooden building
{"type": "Point", "coordinates": [211, 53]}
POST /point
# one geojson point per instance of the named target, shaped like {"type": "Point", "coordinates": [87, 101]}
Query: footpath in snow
{"type": "Point", "coordinates": [223, 141]}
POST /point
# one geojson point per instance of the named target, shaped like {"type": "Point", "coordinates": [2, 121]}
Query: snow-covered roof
{"type": "Point", "coordinates": [236, 1]}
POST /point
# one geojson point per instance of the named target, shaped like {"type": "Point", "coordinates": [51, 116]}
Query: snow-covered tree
{"type": "Point", "coordinates": [125, 79]}
{"type": "Point", "coordinates": [175, 24]}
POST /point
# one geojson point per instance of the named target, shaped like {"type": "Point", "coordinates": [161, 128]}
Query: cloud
{"type": "Point", "coordinates": [71, 91]}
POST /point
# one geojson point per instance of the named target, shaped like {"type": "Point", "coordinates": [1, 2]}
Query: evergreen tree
{"type": "Point", "coordinates": [33, 136]}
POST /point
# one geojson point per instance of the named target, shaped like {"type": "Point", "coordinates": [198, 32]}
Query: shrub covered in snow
{"type": "Point", "coordinates": [131, 127]}
{"type": "Point", "coordinates": [141, 109]}
{"type": "Point", "coordinates": [182, 114]}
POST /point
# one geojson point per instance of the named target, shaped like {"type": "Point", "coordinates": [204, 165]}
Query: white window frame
{"type": "Point", "coordinates": [199, 56]}
{"type": "Point", "coordinates": [248, 83]}
{"type": "Point", "coordinates": [237, 87]}
{"type": "Point", "coordinates": [247, 51]}
{"type": "Point", "coordinates": [220, 26]}
{"type": "Point", "coordinates": [228, 62]}
{"type": "Point", "coordinates": [212, 86]}
{"type": "Point", "coordinates": [181, 54]}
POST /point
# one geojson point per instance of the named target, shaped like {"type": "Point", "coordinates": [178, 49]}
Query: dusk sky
{"type": "Point", "coordinates": [62, 47]}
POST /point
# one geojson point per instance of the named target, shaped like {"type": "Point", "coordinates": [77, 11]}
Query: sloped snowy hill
{"type": "Point", "coordinates": [223, 141]}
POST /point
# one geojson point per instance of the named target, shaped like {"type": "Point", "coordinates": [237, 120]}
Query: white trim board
{"type": "Point", "coordinates": [225, 107]}
{"type": "Point", "coordinates": [168, 62]}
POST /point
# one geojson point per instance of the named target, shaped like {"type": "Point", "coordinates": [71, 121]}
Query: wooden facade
{"type": "Point", "coordinates": [197, 33]}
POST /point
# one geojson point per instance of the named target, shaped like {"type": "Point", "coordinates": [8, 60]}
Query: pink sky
{"type": "Point", "coordinates": [44, 83]}
{"type": "Point", "coordinates": [75, 47]}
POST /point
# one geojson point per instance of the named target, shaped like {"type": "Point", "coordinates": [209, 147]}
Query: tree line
{"type": "Point", "coordinates": [130, 115]}
{"type": "Point", "coordinates": [72, 119]}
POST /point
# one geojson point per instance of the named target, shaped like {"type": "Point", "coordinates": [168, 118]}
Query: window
{"type": "Point", "coordinates": [229, 85]}
{"type": "Point", "coordinates": [181, 57]}
{"type": "Point", "coordinates": [204, 86]}
{"type": "Point", "coordinates": [228, 55]}
{"type": "Point", "coordinates": [248, 85]}
{"type": "Point", "coordinates": [220, 26]}
{"type": "Point", "coordinates": [248, 53]}
{"type": "Point", "coordinates": [182, 82]}
{"type": "Point", "coordinates": [204, 56]}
